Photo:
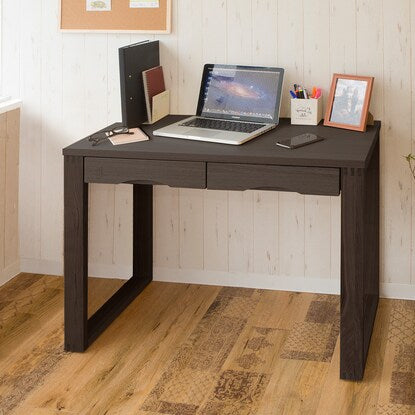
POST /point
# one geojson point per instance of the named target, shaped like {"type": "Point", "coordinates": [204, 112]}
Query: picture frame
{"type": "Point", "coordinates": [348, 102]}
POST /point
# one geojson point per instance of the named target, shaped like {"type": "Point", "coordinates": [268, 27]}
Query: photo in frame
{"type": "Point", "coordinates": [348, 102]}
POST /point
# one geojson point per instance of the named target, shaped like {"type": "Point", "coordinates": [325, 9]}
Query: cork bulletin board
{"type": "Point", "coordinates": [115, 16]}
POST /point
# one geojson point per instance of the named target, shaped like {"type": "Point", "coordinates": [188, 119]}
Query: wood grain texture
{"type": "Point", "coordinates": [76, 254]}
{"type": "Point", "coordinates": [340, 148]}
{"type": "Point", "coordinates": [215, 209]}
{"type": "Point", "coordinates": [296, 179]}
{"type": "Point", "coordinates": [31, 128]}
{"type": "Point", "coordinates": [133, 365]}
{"type": "Point", "coordinates": [52, 109]}
{"type": "Point", "coordinates": [9, 193]}
{"type": "Point", "coordinates": [266, 225]}
{"type": "Point", "coordinates": [81, 331]}
{"type": "Point", "coordinates": [397, 179]}
{"type": "Point", "coordinates": [191, 229]}
{"type": "Point", "coordinates": [367, 37]}
{"type": "Point", "coordinates": [360, 233]}
{"type": "Point", "coordinates": [215, 221]}
{"type": "Point", "coordinates": [11, 227]}
{"type": "Point", "coordinates": [123, 195]}
{"type": "Point", "coordinates": [360, 265]}
{"type": "Point", "coordinates": [166, 227]}
{"type": "Point", "coordinates": [102, 197]}
{"type": "Point", "coordinates": [3, 133]}
{"type": "Point", "coordinates": [318, 232]}
{"type": "Point", "coordinates": [143, 232]}
{"type": "Point", "coordinates": [241, 231]}
{"type": "Point", "coordinates": [184, 174]}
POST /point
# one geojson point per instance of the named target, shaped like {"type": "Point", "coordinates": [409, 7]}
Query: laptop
{"type": "Point", "coordinates": [236, 104]}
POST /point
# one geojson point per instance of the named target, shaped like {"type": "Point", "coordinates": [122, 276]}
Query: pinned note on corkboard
{"type": "Point", "coordinates": [132, 16]}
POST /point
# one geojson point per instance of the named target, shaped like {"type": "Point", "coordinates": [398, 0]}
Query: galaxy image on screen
{"type": "Point", "coordinates": [238, 92]}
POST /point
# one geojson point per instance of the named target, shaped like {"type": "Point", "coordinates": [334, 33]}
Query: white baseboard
{"type": "Point", "coordinates": [398, 291]}
{"type": "Point", "coordinates": [44, 266]}
{"type": "Point", "coordinates": [207, 277]}
{"type": "Point", "coordinates": [248, 280]}
{"type": "Point", "coordinates": [8, 273]}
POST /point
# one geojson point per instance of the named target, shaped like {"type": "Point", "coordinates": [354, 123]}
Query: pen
{"type": "Point", "coordinates": [293, 94]}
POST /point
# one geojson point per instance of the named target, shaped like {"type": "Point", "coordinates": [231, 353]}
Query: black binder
{"type": "Point", "coordinates": [134, 59]}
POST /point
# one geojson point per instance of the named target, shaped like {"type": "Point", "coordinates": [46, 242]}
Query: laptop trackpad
{"type": "Point", "coordinates": [200, 132]}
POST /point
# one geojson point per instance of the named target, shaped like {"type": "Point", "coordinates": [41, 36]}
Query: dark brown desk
{"type": "Point", "coordinates": [345, 161]}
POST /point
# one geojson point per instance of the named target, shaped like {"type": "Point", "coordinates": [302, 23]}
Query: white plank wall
{"type": "Point", "coordinates": [69, 84]}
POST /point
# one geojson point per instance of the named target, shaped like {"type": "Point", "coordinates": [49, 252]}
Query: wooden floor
{"type": "Point", "coordinates": [186, 349]}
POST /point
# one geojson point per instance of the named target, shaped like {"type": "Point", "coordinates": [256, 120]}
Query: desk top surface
{"type": "Point", "coordinates": [341, 148]}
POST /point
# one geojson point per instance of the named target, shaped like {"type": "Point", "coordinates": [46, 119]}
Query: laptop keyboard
{"type": "Point", "coordinates": [239, 127]}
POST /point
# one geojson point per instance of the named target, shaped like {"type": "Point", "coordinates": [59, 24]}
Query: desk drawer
{"type": "Point", "coordinates": [305, 180]}
{"type": "Point", "coordinates": [171, 173]}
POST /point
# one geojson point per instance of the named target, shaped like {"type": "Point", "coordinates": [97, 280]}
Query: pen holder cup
{"type": "Point", "coordinates": [306, 111]}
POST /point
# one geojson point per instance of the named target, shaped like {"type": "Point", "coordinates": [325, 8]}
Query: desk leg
{"type": "Point", "coordinates": [359, 265]}
{"type": "Point", "coordinates": [143, 232]}
{"type": "Point", "coordinates": [80, 331]}
{"type": "Point", "coordinates": [142, 263]}
{"type": "Point", "coordinates": [76, 254]}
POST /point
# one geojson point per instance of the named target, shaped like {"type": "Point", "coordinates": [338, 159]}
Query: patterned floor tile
{"type": "Point", "coordinates": [323, 312]}
{"type": "Point", "coordinates": [401, 337]}
{"type": "Point", "coordinates": [236, 393]}
{"type": "Point", "coordinates": [315, 338]}
{"type": "Point", "coordinates": [311, 341]}
{"type": "Point", "coordinates": [189, 386]}
{"type": "Point", "coordinates": [402, 323]}
{"type": "Point", "coordinates": [403, 388]}
{"type": "Point", "coordinates": [31, 370]}
{"type": "Point", "coordinates": [391, 409]}
{"type": "Point", "coordinates": [404, 360]}
{"type": "Point", "coordinates": [327, 298]}
{"type": "Point", "coordinates": [257, 349]}
{"type": "Point", "coordinates": [196, 367]}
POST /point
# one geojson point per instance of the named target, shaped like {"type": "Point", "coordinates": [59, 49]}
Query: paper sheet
{"type": "Point", "coordinates": [98, 5]}
{"type": "Point", "coordinates": [144, 4]}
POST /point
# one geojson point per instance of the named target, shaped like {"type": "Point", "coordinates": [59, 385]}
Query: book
{"type": "Point", "coordinates": [137, 136]}
{"type": "Point", "coordinates": [153, 80]}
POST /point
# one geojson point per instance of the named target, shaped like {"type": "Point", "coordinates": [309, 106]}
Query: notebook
{"type": "Point", "coordinates": [153, 85]}
{"type": "Point", "coordinates": [137, 136]}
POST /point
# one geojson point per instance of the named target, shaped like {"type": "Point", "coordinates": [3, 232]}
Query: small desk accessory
{"type": "Point", "coordinates": [157, 98]}
{"type": "Point", "coordinates": [299, 141]}
{"type": "Point", "coordinates": [306, 108]}
{"type": "Point", "coordinates": [348, 103]}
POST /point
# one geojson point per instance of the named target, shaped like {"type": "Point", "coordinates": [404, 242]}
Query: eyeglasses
{"type": "Point", "coordinates": [103, 135]}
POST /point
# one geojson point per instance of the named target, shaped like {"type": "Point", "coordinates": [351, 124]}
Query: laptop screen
{"type": "Point", "coordinates": [241, 92]}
